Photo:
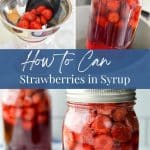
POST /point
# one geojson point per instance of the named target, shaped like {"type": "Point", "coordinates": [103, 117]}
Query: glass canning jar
{"type": "Point", "coordinates": [113, 23]}
{"type": "Point", "coordinates": [101, 120]}
{"type": "Point", "coordinates": [26, 117]}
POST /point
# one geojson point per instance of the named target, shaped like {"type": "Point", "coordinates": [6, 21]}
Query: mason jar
{"type": "Point", "coordinates": [101, 120]}
{"type": "Point", "coordinates": [113, 23]}
{"type": "Point", "coordinates": [26, 117]}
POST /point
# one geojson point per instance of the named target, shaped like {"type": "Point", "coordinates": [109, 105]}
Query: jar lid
{"type": "Point", "coordinates": [100, 96]}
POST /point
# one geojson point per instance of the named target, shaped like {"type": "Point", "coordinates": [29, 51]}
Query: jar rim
{"type": "Point", "coordinates": [100, 95]}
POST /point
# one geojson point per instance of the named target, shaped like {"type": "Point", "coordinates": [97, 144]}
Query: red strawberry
{"type": "Point", "coordinates": [121, 132]}
{"type": "Point", "coordinates": [102, 21]}
{"type": "Point", "coordinates": [113, 5]}
{"type": "Point", "coordinates": [102, 124]}
{"type": "Point", "coordinates": [43, 20]}
{"type": "Point", "coordinates": [113, 17]}
{"type": "Point", "coordinates": [27, 125]}
{"type": "Point", "coordinates": [42, 119]}
{"type": "Point", "coordinates": [33, 11]}
{"type": "Point", "coordinates": [38, 19]}
{"type": "Point", "coordinates": [119, 114]}
{"type": "Point", "coordinates": [103, 142]}
{"type": "Point", "coordinates": [47, 14]}
{"type": "Point", "coordinates": [29, 16]}
{"type": "Point", "coordinates": [35, 25]}
{"type": "Point", "coordinates": [69, 139]}
{"type": "Point", "coordinates": [23, 24]}
{"type": "Point", "coordinates": [39, 9]}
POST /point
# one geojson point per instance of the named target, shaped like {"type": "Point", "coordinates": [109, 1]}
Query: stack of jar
{"type": "Point", "coordinates": [101, 120]}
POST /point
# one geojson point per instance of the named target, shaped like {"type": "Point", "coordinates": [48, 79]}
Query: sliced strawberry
{"type": "Point", "coordinates": [35, 25]}
{"type": "Point", "coordinates": [113, 17]}
{"type": "Point", "coordinates": [103, 142]}
{"type": "Point", "coordinates": [121, 132]}
{"type": "Point", "coordinates": [43, 20]}
{"type": "Point", "coordinates": [136, 13]}
{"type": "Point", "coordinates": [102, 125]}
{"type": "Point", "coordinates": [29, 92]}
{"type": "Point", "coordinates": [23, 24]}
{"type": "Point", "coordinates": [68, 139]}
{"type": "Point", "coordinates": [102, 21]}
{"type": "Point", "coordinates": [83, 147]}
{"type": "Point", "coordinates": [27, 125]}
{"type": "Point", "coordinates": [12, 112]}
{"type": "Point", "coordinates": [119, 114]}
{"type": "Point", "coordinates": [39, 9]}
{"type": "Point", "coordinates": [29, 114]}
{"type": "Point", "coordinates": [29, 16]}
{"type": "Point", "coordinates": [19, 102]}
{"type": "Point", "coordinates": [43, 106]}
{"type": "Point", "coordinates": [47, 14]}
{"type": "Point", "coordinates": [113, 5]}
{"type": "Point", "coordinates": [41, 119]}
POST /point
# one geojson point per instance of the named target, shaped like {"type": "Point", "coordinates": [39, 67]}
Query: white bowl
{"type": "Point", "coordinates": [141, 38]}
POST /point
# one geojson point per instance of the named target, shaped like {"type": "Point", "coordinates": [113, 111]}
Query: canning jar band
{"type": "Point", "coordinates": [100, 96]}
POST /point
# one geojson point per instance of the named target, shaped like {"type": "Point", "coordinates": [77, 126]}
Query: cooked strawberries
{"type": "Point", "coordinates": [112, 130]}
{"type": "Point", "coordinates": [119, 114]}
{"type": "Point", "coordinates": [69, 140]}
{"type": "Point", "coordinates": [35, 18]}
{"type": "Point", "coordinates": [32, 109]}
{"type": "Point", "coordinates": [101, 124]}
{"type": "Point", "coordinates": [111, 21]}
{"type": "Point", "coordinates": [103, 142]}
{"type": "Point", "coordinates": [113, 17]}
{"type": "Point", "coordinates": [113, 5]}
{"type": "Point", "coordinates": [121, 133]}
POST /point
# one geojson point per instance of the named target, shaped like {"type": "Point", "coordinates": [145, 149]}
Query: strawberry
{"type": "Point", "coordinates": [113, 5]}
{"type": "Point", "coordinates": [101, 125]}
{"type": "Point", "coordinates": [39, 9]}
{"type": "Point", "coordinates": [27, 125]}
{"type": "Point", "coordinates": [126, 146]}
{"type": "Point", "coordinates": [113, 17]}
{"type": "Point", "coordinates": [42, 119]}
{"type": "Point", "coordinates": [37, 97]}
{"type": "Point", "coordinates": [33, 11]}
{"type": "Point", "coordinates": [102, 21]}
{"type": "Point", "coordinates": [103, 142]}
{"type": "Point", "coordinates": [47, 14]}
{"type": "Point", "coordinates": [43, 20]}
{"type": "Point", "coordinates": [38, 19]}
{"type": "Point", "coordinates": [29, 16]}
{"type": "Point", "coordinates": [23, 24]}
{"type": "Point", "coordinates": [119, 114]}
{"type": "Point", "coordinates": [121, 132]}
{"type": "Point", "coordinates": [69, 139]}
{"type": "Point", "coordinates": [29, 114]}
{"type": "Point", "coordinates": [35, 25]}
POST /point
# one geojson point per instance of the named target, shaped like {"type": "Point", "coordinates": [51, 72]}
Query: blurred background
{"type": "Point", "coordinates": [59, 108]}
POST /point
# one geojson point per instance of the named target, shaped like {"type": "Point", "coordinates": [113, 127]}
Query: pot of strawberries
{"type": "Point", "coordinates": [27, 119]}
{"type": "Point", "coordinates": [101, 120]}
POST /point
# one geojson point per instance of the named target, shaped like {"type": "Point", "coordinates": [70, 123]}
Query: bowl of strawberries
{"type": "Point", "coordinates": [36, 24]}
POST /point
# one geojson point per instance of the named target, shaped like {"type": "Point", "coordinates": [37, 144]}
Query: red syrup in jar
{"type": "Point", "coordinates": [27, 121]}
{"type": "Point", "coordinates": [113, 24]}
{"type": "Point", "coordinates": [100, 126]}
